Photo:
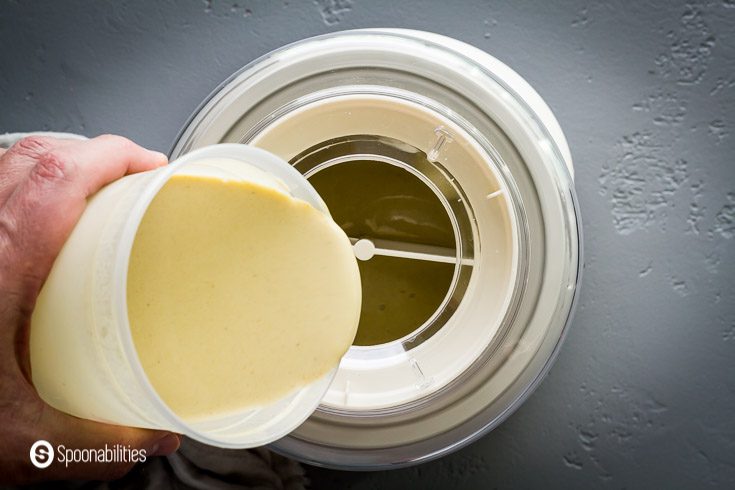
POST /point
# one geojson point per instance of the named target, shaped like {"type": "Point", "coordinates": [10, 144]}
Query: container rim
{"type": "Point", "coordinates": [259, 158]}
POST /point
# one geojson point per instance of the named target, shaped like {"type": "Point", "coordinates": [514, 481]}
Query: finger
{"type": "Point", "coordinates": [41, 212]}
{"type": "Point", "coordinates": [16, 162]}
{"type": "Point", "coordinates": [106, 158]}
{"type": "Point", "coordinates": [75, 433]}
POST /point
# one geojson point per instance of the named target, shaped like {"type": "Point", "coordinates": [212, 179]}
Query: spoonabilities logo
{"type": "Point", "coordinates": [42, 454]}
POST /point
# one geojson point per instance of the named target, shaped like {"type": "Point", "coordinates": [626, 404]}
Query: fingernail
{"type": "Point", "coordinates": [160, 156]}
{"type": "Point", "coordinates": [165, 446]}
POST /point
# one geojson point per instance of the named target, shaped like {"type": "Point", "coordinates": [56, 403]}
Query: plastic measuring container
{"type": "Point", "coordinates": [83, 358]}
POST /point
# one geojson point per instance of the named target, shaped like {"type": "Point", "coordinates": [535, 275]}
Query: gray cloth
{"type": "Point", "coordinates": [196, 466]}
{"type": "Point", "coordinates": [8, 139]}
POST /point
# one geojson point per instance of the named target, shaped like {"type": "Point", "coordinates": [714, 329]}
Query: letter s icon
{"type": "Point", "coordinates": [42, 454]}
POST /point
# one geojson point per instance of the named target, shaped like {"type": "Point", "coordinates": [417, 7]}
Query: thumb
{"type": "Point", "coordinates": [133, 445]}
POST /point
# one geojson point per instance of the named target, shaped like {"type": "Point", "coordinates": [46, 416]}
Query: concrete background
{"type": "Point", "coordinates": [643, 393]}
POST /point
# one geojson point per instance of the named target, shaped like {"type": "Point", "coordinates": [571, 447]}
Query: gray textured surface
{"type": "Point", "coordinates": [643, 393]}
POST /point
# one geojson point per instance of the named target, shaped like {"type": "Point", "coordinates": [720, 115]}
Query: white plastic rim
{"type": "Point", "coordinates": [504, 116]}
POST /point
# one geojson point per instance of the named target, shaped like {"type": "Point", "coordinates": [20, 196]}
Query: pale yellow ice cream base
{"type": "Point", "coordinates": [238, 294]}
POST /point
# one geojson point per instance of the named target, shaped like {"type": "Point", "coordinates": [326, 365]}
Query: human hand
{"type": "Point", "coordinates": [44, 186]}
